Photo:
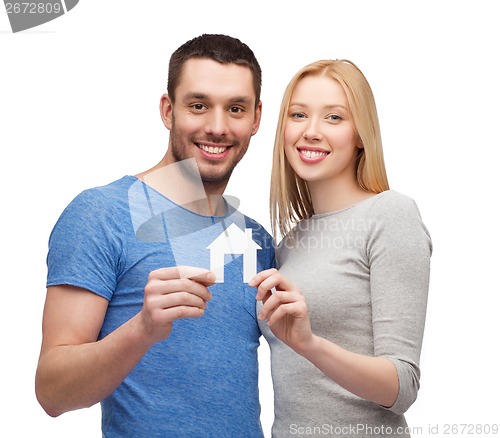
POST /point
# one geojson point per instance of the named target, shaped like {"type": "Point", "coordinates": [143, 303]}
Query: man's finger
{"type": "Point", "coordinates": [200, 275]}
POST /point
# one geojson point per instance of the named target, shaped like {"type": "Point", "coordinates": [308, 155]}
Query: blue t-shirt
{"type": "Point", "coordinates": [203, 380]}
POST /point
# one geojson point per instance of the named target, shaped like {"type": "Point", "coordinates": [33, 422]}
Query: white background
{"type": "Point", "coordinates": [79, 107]}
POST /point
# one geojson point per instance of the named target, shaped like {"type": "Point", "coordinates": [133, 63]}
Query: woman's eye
{"type": "Point", "coordinates": [334, 117]}
{"type": "Point", "coordinates": [297, 115]}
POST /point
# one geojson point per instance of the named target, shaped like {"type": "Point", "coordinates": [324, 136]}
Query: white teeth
{"type": "Point", "coordinates": [212, 150]}
{"type": "Point", "coordinates": [313, 154]}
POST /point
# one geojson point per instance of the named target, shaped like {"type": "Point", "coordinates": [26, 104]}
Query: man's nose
{"type": "Point", "coordinates": [217, 122]}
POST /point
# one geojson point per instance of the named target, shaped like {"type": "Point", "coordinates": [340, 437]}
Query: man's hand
{"type": "Point", "coordinates": [174, 293]}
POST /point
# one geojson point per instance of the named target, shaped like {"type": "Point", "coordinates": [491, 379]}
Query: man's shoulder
{"type": "Point", "coordinates": [116, 187]}
{"type": "Point", "coordinates": [255, 225]}
{"type": "Point", "coordinates": [100, 201]}
{"type": "Point", "coordinates": [259, 233]}
{"type": "Point", "coordinates": [107, 193]}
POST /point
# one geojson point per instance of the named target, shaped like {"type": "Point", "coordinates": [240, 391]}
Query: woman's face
{"type": "Point", "coordinates": [320, 140]}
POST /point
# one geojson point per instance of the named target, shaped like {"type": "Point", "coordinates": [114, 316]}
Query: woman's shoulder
{"type": "Point", "coordinates": [393, 202]}
{"type": "Point", "coordinates": [393, 210]}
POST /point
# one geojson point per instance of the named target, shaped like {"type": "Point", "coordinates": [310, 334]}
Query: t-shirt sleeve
{"type": "Point", "coordinates": [399, 250]}
{"type": "Point", "coordinates": [266, 255]}
{"type": "Point", "coordinates": [84, 246]}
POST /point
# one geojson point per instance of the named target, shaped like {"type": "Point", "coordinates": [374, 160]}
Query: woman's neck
{"type": "Point", "coordinates": [328, 196]}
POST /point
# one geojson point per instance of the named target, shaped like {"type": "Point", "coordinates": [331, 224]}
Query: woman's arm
{"type": "Point", "coordinates": [398, 251]}
{"type": "Point", "coordinates": [372, 378]}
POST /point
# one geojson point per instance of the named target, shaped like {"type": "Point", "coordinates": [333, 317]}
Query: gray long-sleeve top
{"type": "Point", "coordinates": [364, 272]}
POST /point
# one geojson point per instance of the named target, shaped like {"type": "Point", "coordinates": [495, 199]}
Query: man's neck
{"type": "Point", "coordinates": [182, 184]}
{"type": "Point", "coordinates": [209, 206]}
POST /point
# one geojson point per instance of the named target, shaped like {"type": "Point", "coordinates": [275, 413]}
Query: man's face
{"type": "Point", "coordinates": [213, 118]}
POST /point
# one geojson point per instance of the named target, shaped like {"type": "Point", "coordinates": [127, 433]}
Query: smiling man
{"type": "Point", "coordinates": [214, 127]}
{"type": "Point", "coordinates": [126, 326]}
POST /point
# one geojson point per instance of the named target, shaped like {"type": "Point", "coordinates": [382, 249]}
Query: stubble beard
{"type": "Point", "coordinates": [216, 175]}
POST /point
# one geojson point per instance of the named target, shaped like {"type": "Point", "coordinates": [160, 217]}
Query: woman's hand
{"type": "Point", "coordinates": [373, 378]}
{"type": "Point", "coordinates": [285, 309]}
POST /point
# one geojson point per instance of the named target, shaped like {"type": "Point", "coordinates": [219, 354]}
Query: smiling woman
{"type": "Point", "coordinates": [341, 297]}
{"type": "Point", "coordinates": [318, 130]}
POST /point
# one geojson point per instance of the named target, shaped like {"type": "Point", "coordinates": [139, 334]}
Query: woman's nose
{"type": "Point", "coordinates": [312, 132]}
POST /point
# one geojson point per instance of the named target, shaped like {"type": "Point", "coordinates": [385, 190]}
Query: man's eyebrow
{"type": "Point", "coordinates": [241, 99]}
{"type": "Point", "coordinates": [202, 96]}
{"type": "Point", "coordinates": [194, 95]}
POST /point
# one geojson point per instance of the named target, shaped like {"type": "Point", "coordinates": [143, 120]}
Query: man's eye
{"type": "Point", "coordinates": [198, 106]}
{"type": "Point", "coordinates": [235, 109]}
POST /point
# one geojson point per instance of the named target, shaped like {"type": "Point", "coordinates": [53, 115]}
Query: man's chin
{"type": "Point", "coordinates": [211, 179]}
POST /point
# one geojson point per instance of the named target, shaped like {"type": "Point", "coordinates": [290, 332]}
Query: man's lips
{"type": "Point", "coordinates": [213, 151]}
{"type": "Point", "coordinates": [312, 155]}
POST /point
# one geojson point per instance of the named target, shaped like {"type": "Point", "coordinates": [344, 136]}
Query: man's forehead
{"type": "Point", "coordinates": [205, 77]}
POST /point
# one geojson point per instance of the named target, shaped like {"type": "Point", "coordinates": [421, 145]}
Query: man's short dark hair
{"type": "Point", "coordinates": [220, 48]}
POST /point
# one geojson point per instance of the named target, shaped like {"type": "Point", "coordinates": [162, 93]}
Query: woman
{"type": "Point", "coordinates": [350, 295]}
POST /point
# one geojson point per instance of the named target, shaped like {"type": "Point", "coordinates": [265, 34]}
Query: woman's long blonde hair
{"type": "Point", "coordinates": [290, 200]}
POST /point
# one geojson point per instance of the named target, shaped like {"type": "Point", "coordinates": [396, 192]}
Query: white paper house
{"type": "Point", "coordinates": [234, 241]}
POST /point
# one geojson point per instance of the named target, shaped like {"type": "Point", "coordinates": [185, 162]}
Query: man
{"type": "Point", "coordinates": [124, 323]}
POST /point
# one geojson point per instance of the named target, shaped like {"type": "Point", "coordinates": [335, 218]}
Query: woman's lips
{"type": "Point", "coordinates": [312, 155]}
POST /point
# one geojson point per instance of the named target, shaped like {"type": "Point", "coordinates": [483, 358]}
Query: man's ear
{"type": "Point", "coordinates": [166, 111]}
{"type": "Point", "coordinates": [257, 117]}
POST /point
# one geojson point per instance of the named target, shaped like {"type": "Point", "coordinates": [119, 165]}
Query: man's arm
{"type": "Point", "coordinates": [75, 370]}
